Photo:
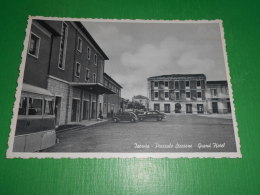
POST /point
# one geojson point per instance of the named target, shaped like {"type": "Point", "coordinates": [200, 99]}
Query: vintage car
{"type": "Point", "coordinates": [151, 115]}
{"type": "Point", "coordinates": [125, 116]}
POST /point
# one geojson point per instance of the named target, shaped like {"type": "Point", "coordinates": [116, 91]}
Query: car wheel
{"type": "Point", "coordinates": [132, 120]}
{"type": "Point", "coordinates": [141, 119]}
{"type": "Point", "coordinates": [115, 120]}
{"type": "Point", "coordinates": [159, 119]}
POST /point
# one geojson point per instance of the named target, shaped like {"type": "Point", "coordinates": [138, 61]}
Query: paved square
{"type": "Point", "coordinates": [177, 133]}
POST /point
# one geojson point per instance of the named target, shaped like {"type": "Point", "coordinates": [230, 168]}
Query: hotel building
{"type": "Point", "coordinates": [177, 93]}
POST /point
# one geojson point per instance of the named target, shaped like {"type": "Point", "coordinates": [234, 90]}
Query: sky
{"type": "Point", "coordinates": [137, 51]}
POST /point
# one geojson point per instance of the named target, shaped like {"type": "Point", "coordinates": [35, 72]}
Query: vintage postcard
{"type": "Point", "coordinates": [97, 88]}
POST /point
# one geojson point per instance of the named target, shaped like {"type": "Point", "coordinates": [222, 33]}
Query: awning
{"type": "Point", "coordinates": [93, 87]}
{"type": "Point", "coordinates": [35, 90]}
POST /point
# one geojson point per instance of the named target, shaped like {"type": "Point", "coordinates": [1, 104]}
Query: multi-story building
{"type": "Point", "coordinates": [64, 69]}
{"type": "Point", "coordinates": [142, 100]}
{"type": "Point", "coordinates": [66, 60]}
{"type": "Point", "coordinates": [112, 102]}
{"type": "Point", "coordinates": [178, 93]}
{"type": "Point", "coordinates": [217, 95]}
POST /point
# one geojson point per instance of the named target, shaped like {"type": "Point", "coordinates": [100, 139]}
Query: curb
{"type": "Point", "coordinates": [82, 126]}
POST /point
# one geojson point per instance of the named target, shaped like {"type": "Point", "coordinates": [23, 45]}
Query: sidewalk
{"type": "Point", "coordinates": [220, 116]}
{"type": "Point", "coordinates": [80, 125]}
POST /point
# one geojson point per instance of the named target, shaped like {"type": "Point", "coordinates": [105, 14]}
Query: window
{"type": "Point", "coordinates": [166, 94]}
{"type": "Point", "coordinates": [22, 106]}
{"type": "Point", "coordinates": [188, 95]}
{"type": "Point", "coordinates": [166, 84]}
{"type": "Point", "coordinates": [94, 78]}
{"type": "Point", "coordinates": [63, 45]}
{"type": "Point", "coordinates": [199, 94]}
{"type": "Point", "coordinates": [198, 83]}
{"type": "Point", "coordinates": [34, 45]}
{"type": "Point", "coordinates": [176, 84]}
{"type": "Point", "coordinates": [213, 92]}
{"type": "Point", "coordinates": [156, 84]}
{"type": "Point", "coordinates": [77, 69]}
{"type": "Point", "coordinates": [35, 106]}
{"type": "Point", "coordinates": [87, 74]}
{"type": "Point", "coordinates": [48, 107]}
{"type": "Point", "coordinates": [161, 84]}
{"type": "Point", "coordinates": [187, 83]}
{"type": "Point", "coordinates": [101, 71]}
{"type": "Point", "coordinates": [88, 53]}
{"type": "Point", "coordinates": [156, 94]}
{"type": "Point", "coordinates": [177, 95]}
{"type": "Point", "coordinates": [95, 59]}
{"type": "Point", "coordinates": [79, 46]}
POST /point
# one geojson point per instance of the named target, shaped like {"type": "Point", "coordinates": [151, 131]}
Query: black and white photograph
{"type": "Point", "coordinates": [100, 88]}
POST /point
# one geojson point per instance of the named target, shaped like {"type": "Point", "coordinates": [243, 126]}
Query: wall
{"type": "Point", "coordinates": [36, 68]}
{"type": "Point", "coordinates": [139, 176]}
{"type": "Point", "coordinates": [60, 89]}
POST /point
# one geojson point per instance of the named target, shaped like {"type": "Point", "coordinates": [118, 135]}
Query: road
{"type": "Point", "coordinates": [177, 133]}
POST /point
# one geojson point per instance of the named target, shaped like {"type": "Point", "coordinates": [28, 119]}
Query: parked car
{"type": "Point", "coordinates": [125, 116]}
{"type": "Point", "coordinates": [151, 115]}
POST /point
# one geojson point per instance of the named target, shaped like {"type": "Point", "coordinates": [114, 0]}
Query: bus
{"type": "Point", "coordinates": [35, 128]}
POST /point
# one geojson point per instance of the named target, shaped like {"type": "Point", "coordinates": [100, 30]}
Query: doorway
{"type": "Point", "coordinates": [200, 108]}
{"type": "Point", "coordinates": [167, 108]}
{"type": "Point", "coordinates": [188, 108]}
{"type": "Point", "coordinates": [157, 107]}
{"type": "Point", "coordinates": [75, 110]}
{"type": "Point", "coordinates": [93, 110]}
{"type": "Point", "coordinates": [177, 108]}
{"type": "Point", "coordinates": [215, 107]}
{"type": "Point", "coordinates": [228, 107]}
{"type": "Point", "coordinates": [57, 110]}
{"type": "Point", "coordinates": [85, 114]}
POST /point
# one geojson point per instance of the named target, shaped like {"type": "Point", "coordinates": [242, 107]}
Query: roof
{"type": "Point", "coordinates": [140, 97]}
{"type": "Point", "coordinates": [48, 27]}
{"type": "Point", "coordinates": [111, 79]}
{"type": "Point", "coordinates": [217, 82]}
{"type": "Point", "coordinates": [35, 90]}
{"type": "Point", "coordinates": [177, 76]}
{"type": "Point", "coordinates": [91, 39]}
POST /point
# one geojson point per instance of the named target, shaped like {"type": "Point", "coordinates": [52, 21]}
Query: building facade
{"type": "Point", "coordinates": [142, 100]}
{"type": "Point", "coordinates": [64, 59]}
{"type": "Point", "coordinates": [217, 95]}
{"type": "Point", "coordinates": [177, 93]}
{"type": "Point", "coordinates": [112, 102]}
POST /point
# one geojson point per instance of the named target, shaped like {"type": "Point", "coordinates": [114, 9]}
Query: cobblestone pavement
{"type": "Point", "coordinates": [177, 133]}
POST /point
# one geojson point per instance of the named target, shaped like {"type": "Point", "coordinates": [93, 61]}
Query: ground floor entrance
{"type": "Point", "coordinates": [57, 109]}
{"type": "Point", "coordinates": [215, 107]}
{"type": "Point", "coordinates": [167, 108]}
{"type": "Point", "coordinates": [75, 110]}
{"type": "Point", "coordinates": [188, 108]}
{"type": "Point", "coordinates": [228, 107]}
{"type": "Point", "coordinates": [93, 110]}
{"type": "Point", "coordinates": [157, 107]}
{"type": "Point", "coordinates": [85, 110]}
{"type": "Point", "coordinates": [200, 108]}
